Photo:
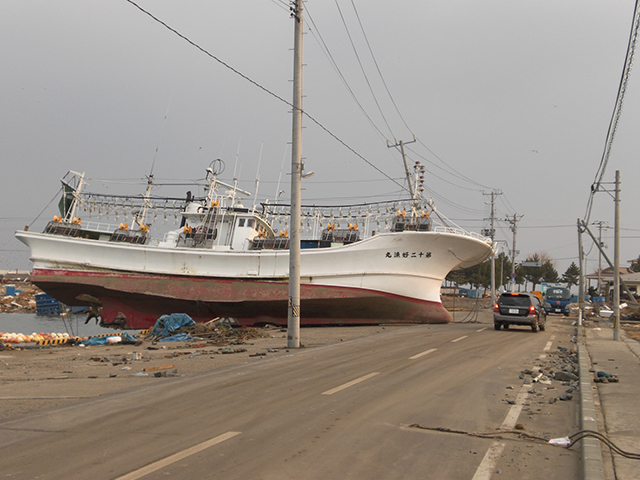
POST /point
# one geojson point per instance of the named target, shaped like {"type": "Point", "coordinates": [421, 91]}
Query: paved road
{"type": "Point", "coordinates": [344, 411]}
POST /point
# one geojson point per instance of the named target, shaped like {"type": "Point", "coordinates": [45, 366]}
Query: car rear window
{"type": "Point", "coordinates": [515, 301]}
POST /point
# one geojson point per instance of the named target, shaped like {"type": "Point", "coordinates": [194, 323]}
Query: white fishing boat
{"type": "Point", "coordinates": [368, 263]}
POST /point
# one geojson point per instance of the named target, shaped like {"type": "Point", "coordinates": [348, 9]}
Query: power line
{"type": "Point", "coordinates": [617, 109]}
{"type": "Point", "coordinates": [334, 64]}
{"type": "Point", "coordinates": [364, 73]}
{"type": "Point", "coordinates": [266, 90]}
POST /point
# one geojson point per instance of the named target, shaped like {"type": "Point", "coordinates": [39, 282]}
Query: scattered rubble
{"type": "Point", "coordinates": [559, 367]}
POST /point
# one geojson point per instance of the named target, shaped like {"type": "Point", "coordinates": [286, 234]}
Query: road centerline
{"type": "Point", "coordinates": [426, 352]}
{"type": "Point", "coordinates": [155, 466]}
{"type": "Point", "coordinates": [459, 338]}
{"type": "Point", "coordinates": [350, 384]}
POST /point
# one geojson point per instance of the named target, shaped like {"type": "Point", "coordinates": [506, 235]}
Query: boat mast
{"type": "Point", "coordinates": [76, 196]}
{"type": "Point", "coordinates": [293, 314]}
{"type": "Point", "coordinates": [140, 218]}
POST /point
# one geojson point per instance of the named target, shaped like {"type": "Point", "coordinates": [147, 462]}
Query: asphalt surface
{"type": "Point", "coordinates": [611, 408]}
{"type": "Point", "coordinates": [444, 401]}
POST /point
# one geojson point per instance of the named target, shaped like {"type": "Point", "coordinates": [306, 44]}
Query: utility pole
{"type": "Point", "coordinates": [492, 235]}
{"type": "Point", "coordinates": [581, 281]}
{"type": "Point", "coordinates": [410, 180]}
{"type": "Point", "coordinates": [600, 224]}
{"type": "Point", "coordinates": [616, 262]}
{"type": "Point", "coordinates": [514, 228]}
{"type": "Point", "coordinates": [293, 310]}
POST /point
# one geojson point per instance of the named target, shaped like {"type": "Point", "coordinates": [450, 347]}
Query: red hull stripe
{"type": "Point", "coordinates": [143, 298]}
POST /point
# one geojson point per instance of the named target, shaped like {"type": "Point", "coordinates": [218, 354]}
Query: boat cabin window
{"type": "Point", "coordinates": [250, 223]}
{"type": "Point", "coordinates": [241, 222]}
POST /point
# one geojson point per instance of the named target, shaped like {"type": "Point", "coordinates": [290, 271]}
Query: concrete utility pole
{"type": "Point", "coordinates": [492, 235]}
{"type": "Point", "coordinates": [616, 262]}
{"type": "Point", "coordinates": [581, 280]}
{"type": "Point", "coordinates": [600, 224]}
{"type": "Point", "coordinates": [410, 179]}
{"type": "Point", "coordinates": [514, 228]}
{"type": "Point", "coordinates": [293, 312]}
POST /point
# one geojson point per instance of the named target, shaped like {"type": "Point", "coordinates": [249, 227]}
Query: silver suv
{"type": "Point", "coordinates": [519, 309]}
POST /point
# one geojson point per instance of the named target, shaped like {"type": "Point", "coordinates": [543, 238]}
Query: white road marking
{"type": "Point", "coordinates": [426, 352]}
{"type": "Point", "coordinates": [488, 464]}
{"type": "Point", "coordinates": [155, 466]}
{"type": "Point", "coordinates": [458, 339]}
{"type": "Point", "coordinates": [548, 346]}
{"type": "Point", "coordinates": [514, 412]}
{"type": "Point", "coordinates": [482, 329]}
{"type": "Point", "coordinates": [350, 384]}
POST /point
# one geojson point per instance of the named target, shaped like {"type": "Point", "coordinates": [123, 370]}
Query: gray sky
{"type": "Point", "coordinates": [513, 95]}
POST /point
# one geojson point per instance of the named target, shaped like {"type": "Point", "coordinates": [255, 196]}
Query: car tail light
{"type": "Point", "coordinates": [532, 310]}
{"type": "Point", "coordinates": [496, 309]}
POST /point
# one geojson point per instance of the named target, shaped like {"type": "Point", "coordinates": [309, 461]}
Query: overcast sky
{"type": "Point", "coordinates": [514, 95]}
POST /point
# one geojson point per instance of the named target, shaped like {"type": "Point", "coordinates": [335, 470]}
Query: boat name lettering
{"type": "Point", "coordinates": [408, 255]}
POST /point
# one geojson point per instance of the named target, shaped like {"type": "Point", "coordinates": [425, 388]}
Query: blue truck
{"type": "Point", "coordinates": [557, 300]}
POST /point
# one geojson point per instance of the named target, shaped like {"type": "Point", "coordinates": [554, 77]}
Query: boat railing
{"type": "Point", "coordinates": [102, 227]}
{"type": "Point", "coordinates": [460, 231]}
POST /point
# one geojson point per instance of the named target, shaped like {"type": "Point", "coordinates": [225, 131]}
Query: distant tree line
{"type": "Point", "coordinates": [479, 276]}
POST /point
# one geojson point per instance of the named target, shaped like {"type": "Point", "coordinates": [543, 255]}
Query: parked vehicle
{"type": "Point", "coordinates": [558, 300]}
{"type": "Point", "coordinates": [519, 309]}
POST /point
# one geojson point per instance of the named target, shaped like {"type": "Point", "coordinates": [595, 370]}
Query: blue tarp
{"type": "Point", "coordinates": [178, 337]}
{"type": "Point", "coordinates": [103, 340]}
{"type": "Point", "coordinates": [167, 324]}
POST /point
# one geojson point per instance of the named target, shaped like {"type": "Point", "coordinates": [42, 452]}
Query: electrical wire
{"type": "Point", "coordinates": [364, 73]}
{"type": "Point", "coordinates": [576, 437]}
{"type": "Point", "coordinates": [325, 49]}
{"type": "Point", "coordinates": [364, 34]}
{"type": "Point", "coordinates": [617, 109]}
{"type": "Point", "coordinates": [278, 97]}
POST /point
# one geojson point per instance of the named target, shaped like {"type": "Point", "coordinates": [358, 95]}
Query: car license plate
{"type": "Point", "coordinates": [557, 310]}
{"type": "Point", "coordinates": [514, 310]}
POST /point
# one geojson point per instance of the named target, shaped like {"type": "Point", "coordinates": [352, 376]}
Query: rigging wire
{"type": "Point", "coordinates": [617, 109]}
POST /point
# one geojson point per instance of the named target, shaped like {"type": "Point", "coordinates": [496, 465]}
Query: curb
{"type": "Point", "coordinates": [592, 463]}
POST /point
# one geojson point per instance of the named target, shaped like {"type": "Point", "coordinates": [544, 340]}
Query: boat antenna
{"type": "Point", "coordinates": [235, 166]}
{"type": "Point", "coordinates": [164, 122]}
{"type": "Point", "coordinates": [255, 197]}
{"type": "Point", "coordinates": [278, 191]}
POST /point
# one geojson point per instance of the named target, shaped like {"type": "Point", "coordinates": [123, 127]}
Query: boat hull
{"type": "Point", "coordinates": [390, 278]}
{"type": "Point", "coordinates": [141, 299]}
